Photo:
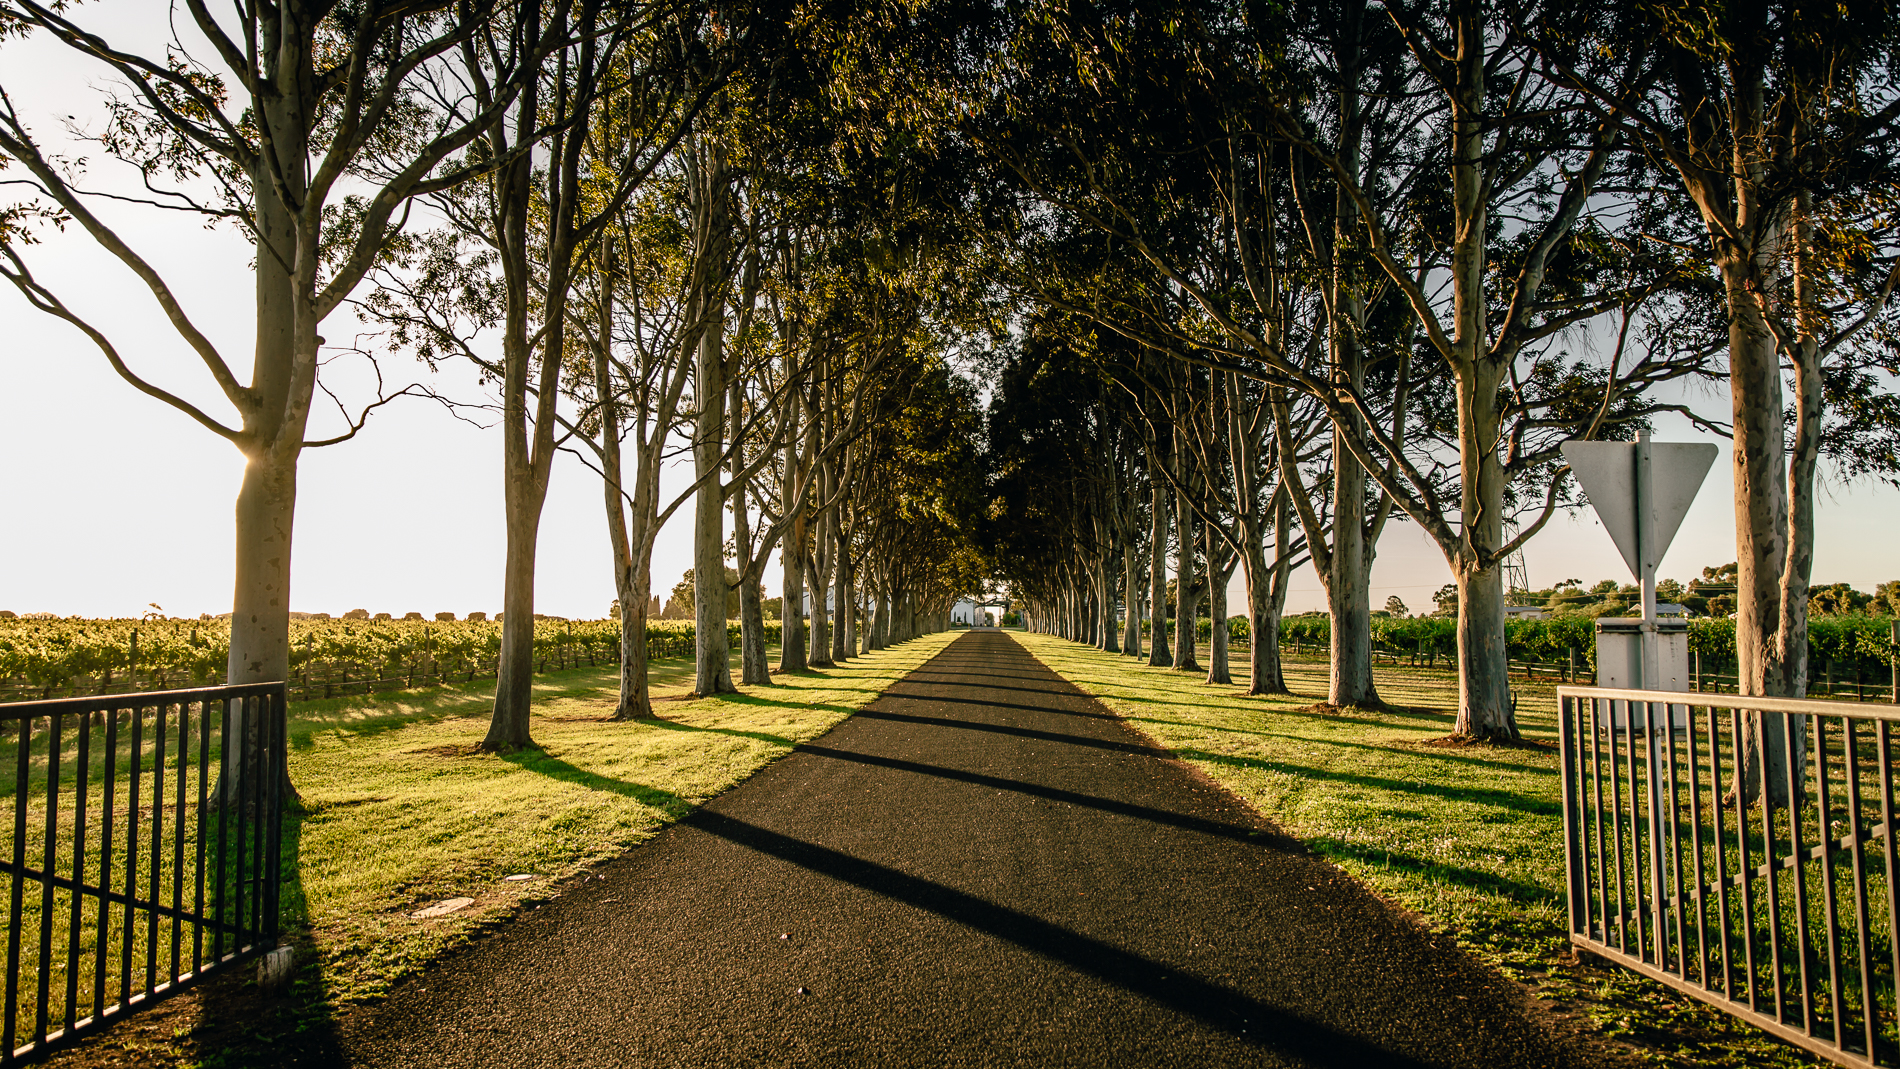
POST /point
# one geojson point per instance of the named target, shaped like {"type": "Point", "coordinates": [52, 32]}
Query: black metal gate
{"type": "Point", "coordinates": [144, 851]}
{"type": "Point", "coordinates": [1741, 850]}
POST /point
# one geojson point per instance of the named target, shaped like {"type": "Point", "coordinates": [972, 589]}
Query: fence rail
{"type": "Point", "coordinates": [144, 851]}
{"type": "Point", "coordinates": [1741, 850]}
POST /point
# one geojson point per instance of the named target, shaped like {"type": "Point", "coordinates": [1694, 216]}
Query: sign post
{"type": "Point", "coordinates": [1642, 490]}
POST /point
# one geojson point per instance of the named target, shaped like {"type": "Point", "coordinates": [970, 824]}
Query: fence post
{"type": "Point", "coordinates": [1576, 893]}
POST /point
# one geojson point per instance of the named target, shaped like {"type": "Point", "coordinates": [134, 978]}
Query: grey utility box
{"type": "Point", "coordinates": [1620, 660]}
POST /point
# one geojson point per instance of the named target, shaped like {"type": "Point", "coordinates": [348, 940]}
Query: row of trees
{"type": "Point", "coordinates": [1272, 279]}
{"type": "Point", "coordinates": [1310, 269]}
{"type": "Point", "coordinates": [655, 229]}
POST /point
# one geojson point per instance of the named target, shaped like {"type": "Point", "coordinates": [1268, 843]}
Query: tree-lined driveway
{"type": "Point", "coordinates": [983, 868]}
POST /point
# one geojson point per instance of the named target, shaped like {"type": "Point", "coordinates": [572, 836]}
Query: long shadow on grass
{"type": "Point", "coordinates": [1296, 711]}
{"type": "Point", "coordinates": [1475, 879]}
{"type": "Point", "coordinates": [1474, 795]}
{"type": "Point", "coordinates": [773, 700]}
{"type": "Point", "coordinates": [762, 736]}
{"type": "Point", "coordinates": [545, 764]}
{"type": "Point", "coordinates": [355, 717]}
{"type": "Point", "coordinates": [1217, 1006]}
{"type": "Point", "coordinates": [303, 736]}
{"type": "Point", "coordinates": [1403, 751]}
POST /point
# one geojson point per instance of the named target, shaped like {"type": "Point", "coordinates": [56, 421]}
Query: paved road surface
{"type": "Point", "coordinates": [983, 868]}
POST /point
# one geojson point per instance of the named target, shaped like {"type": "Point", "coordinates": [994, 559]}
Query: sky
{"type": "Point", "coordinates": [114, 502]}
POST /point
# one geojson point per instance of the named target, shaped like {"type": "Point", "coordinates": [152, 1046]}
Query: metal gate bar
{"type": "Point", "coordinates": [1743, 851]}
{"type": "Point", "coordinates": [198, 837]}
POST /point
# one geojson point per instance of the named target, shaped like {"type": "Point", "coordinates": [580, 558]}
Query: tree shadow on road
{"type": "Point", "coordinates": [1136, 748]}
{"type": "Point", "coordinates": [1215, 1005]}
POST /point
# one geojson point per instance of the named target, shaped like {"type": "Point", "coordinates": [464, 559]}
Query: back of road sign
{"type": "Point", "coordinates": [1607, 471]}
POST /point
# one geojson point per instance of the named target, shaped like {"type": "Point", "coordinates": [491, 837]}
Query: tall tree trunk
{"type": "Point", "coordinates": [1218, 571]}
{"type": "Point", "coordinates": [1187, 592]}
{"type": "Point", "coordinates": [857, 637]}
{"type": "Point", "coordinates": [1131, 600]}
{"type": "Point", "coordinates": [1158, 655]}
{"type": "Point", "coordinates": [1770, 654]}
{"type": "Point", "coordinates": [636, 695]}
{"type": "Point", "coordinates": [514, 679]}
{"type": "Point", "coordinates": [820, 593]}
{"type": "Point", "coordinates": [1485, 707]}
{"type": "Point", "coordinates": [633, 579]}
{"type": "Point", "coordinates": [1484, 686]}
{"type": "Point", "coordinates": [791, 627]}
{"type": "Point", "coordinates": [712, 652]}
{"type": "Point", "coordinates": [881, 623]}
{"type": "Point", "coordinates": [1349, 578]}
{"type": "Point", "coordinates": [843, 633]}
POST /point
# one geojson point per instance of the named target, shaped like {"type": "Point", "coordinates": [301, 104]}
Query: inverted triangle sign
{"type": "Point", "coordinates": [1607, 472]}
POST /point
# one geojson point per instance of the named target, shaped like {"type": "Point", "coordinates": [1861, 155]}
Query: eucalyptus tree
{"type": "Point", "coordinates": [1776, 120]}
{"type": "Point", "coordinates": [1582, 245]}
{"type": "Point", "coordinates": [846, 325]}
{"type": "Point", "coordinates": [641, 347]}
{"type": "Point", "coordinates": [1144, 157]}
{"type": "Point", "coordinates": [611, 111]}
{"type": "Point", "coordinates": [922, 475]}
{"type": "Point", "coordinates": [312, 127]}
{"type": "Point", "coordinates": [1492, 304]}
{"type": "Point", "coordinates": [638, 394]}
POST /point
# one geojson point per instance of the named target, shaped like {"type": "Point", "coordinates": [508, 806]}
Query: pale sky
{"type": "Point", "coordinates": [114, 500]}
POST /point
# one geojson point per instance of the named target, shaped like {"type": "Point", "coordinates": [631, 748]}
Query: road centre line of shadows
{"type": "Point", "coordinates": [957, 679]}
{"type": "Point", "coordinates": [960, 674]}
{"type": "Point", "coordinates": [1136, 749]}
{"type": "Point", "coordinates": [1219, 1007]}
{"type": "Point", "coordinates": [1004, 705]}
{"type": "Point", "coordinates": [1256, 836]}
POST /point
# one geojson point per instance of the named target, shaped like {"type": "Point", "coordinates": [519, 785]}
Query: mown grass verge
{"type": "Point", "coordinates": [398, 812]}
{"type": "Point", "coordinates": [1469, 838]}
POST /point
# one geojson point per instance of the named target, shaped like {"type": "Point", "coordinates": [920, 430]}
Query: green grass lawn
{"type": "Point", "coordinates": [1470, 838]}
{"type": "Point", "coordinates": [398, 812]}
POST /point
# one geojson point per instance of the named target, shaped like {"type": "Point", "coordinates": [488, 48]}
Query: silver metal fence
{"type": "Point", "coordinates": [1741, 850]}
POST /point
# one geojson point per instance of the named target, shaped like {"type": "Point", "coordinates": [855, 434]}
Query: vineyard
{"type": "Point", "coordinates": [41, 658]}
{"type": "Point", "coordinates": [1855, 651]}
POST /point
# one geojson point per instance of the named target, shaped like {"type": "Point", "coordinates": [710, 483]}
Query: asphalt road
{"type": "Point", "coordinates": [983, 868]}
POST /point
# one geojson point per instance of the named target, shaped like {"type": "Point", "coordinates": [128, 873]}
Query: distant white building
{"type": "Point", "coordinates": [963, 612]}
